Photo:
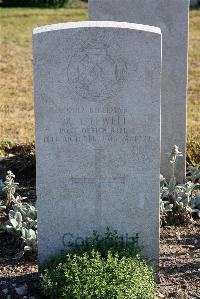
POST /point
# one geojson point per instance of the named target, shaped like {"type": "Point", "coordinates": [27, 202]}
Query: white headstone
{"type": "Point", "coordinates": [97, 105]}
{"type": "Point", "coordinates": [172, 17]}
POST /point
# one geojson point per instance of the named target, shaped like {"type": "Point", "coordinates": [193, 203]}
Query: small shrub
{"type": "Point", "coordinates": [104, 268]}
{"type": "Point", "coordinates": [38, 3]}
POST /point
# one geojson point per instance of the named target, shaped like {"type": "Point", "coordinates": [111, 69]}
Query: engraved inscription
{"type": "Point", "coordinates": [96, 74]}
{"type": "Point", "coordinates": [101, 125]}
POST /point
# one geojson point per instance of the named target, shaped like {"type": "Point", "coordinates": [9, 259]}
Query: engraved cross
{"type": "Point", "coordinates": [98, 179]}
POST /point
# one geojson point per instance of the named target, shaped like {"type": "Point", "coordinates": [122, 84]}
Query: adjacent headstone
{"type": "Point", "coordinates": [97, 105]}
{"type": "Point", "coordinates": [172, 17]}
{"type": "Point", "coordinates": [194, 3]}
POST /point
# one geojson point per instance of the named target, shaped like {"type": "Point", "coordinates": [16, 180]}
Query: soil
{"type": "Point", "coordinates": [179, 273]}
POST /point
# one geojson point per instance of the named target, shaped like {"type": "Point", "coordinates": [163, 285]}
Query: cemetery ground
{"type": "Point", "coordinates": [180, 245]}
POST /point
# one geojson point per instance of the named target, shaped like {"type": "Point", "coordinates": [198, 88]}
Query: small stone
{"type": "Point", "coordinates": [195, 241]}
{"type": "Point", "coordinates": [8, 297]}
{"type": "Point", "coordinates": [22, 290]}
{"type": "Point", "coordinates": [5, 291]}
{"type": "Point", "coordinates": [178, 236]}
{"type": "Point", "coordinates": [31, 297]}
{"type": "Point", "coordinates": [14, 284]}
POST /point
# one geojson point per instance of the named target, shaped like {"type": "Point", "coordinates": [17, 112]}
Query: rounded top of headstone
{"type": "Point", "coordinates": [97, 24]}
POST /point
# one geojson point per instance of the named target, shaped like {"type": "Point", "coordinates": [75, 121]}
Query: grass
{"type": "Point", "coordinates": [193, 109]}
{"type": "Point", "coordinates": [194, 73]}
{"type": "Point", "coordinates": [16, 84]}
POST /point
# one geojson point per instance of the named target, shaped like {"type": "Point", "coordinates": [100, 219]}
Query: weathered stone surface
{"type": "Point", "coordinates": [172, 17]}
{"type": "Point", "coordinates": [97, 105]}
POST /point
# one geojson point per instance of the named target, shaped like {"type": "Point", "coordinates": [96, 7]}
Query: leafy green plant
{"type": "Point", "coordinates": [7, 144]}
{"type": "Point", "coordinates": [5, 147]}
{"type": "Point", "coordinates": [109, 241]}
{"type": "Point", "coordinates": [106, 267]}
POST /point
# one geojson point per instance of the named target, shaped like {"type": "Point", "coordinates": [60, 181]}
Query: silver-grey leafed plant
{"type": "Point", "coordinates": [22, 216]}
{"type": "Point", "coordinates": [179, 201]}
{"type": "Point", "coordinates": [7, 190]}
